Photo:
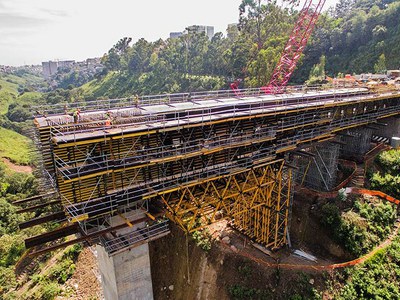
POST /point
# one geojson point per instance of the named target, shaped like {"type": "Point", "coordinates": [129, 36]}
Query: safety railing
{"type": "Point", "coordinates": [135, 191]}
{"type": "Point", "coordinates": [71, 132]}
{"type": "Point", "coordinates": [147, 100]}
{"type": "Point", "coordinates": [176, 180]}
{"type": "Point", "coordinates": [135, 237]}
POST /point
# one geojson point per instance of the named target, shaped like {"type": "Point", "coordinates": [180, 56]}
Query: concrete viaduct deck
{"type": "Point", "coordinates": [195, 158]}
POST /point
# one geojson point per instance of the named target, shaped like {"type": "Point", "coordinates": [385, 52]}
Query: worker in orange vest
{"type": "Point", "coordinates": [108, 119]}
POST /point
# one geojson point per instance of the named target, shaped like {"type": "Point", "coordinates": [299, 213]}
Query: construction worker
{"type": "Point", "coordinates": [108, 119]}
{"type": "Point", "coordinates": [76, 115]}
{"type": "Point", "coordinates": [136, 100]}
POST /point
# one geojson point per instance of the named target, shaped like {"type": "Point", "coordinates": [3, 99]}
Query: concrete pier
{"type": "Point", "coordinates": [356, 143]}
{"type": "Point", "coordinates": [392, 128]}
{"type": "Point", "coordinates": [126, 275]}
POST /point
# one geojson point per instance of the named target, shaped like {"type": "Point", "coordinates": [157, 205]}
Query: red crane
{"type": "Point", "coordinates": [294, 47]}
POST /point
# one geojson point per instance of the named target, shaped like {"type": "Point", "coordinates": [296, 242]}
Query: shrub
{"type": "Point", "coordinates": [37, 278]}
{"type": "Point", "coordinates": [72, 252]}
{"type": "Point", "coordinates": [62, 271]}
{"type": "Point", "coordinates": [7, 280]}
{"type": "Point", "coordinates": [202, 240]}
{"type": "Point", "coordinates": [245, 270]}
{"type": "Point", "coordinates": [387, 183]}
{"type": "Point", "coordinates": [11, 248]}
{"type": "Point", "coordinates": [330, 215]}
{"type": "Point", "coordinates": [8, 218]}
{"type": "Point", "coordinates": [390, 161]}
{"type": "Point", "coordinates": [238, 291]}
{"type": "Point", "coordinates": [375, 279]}
{"type": "Point", "coordinates": [47, 291]}
{"type": "Point", "coordinates": [362, 227]}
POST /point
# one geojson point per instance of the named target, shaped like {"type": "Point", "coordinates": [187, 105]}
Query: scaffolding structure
{"type": "Point", "coordinates": [195, 160]}
{"type": "Point", "coordinates": [318, 166]}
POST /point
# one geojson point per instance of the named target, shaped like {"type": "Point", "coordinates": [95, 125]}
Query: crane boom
{"type": "Point", "coordinates": [295, 46]}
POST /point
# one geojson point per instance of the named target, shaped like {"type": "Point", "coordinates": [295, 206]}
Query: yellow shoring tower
{"type": "Point", "coordinates": [257, 200]}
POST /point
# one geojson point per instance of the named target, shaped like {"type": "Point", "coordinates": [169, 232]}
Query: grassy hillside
{"type": "Point", "coordinates": [17, 96]}
{"type": "Point", "coordinates": [104, 86]}
{"type": "Point", "coordinates": [15, 147]}
{"type": "Point", "coordinates": [8, 94]}
{"type": "Point", "coordinates": [12, 86]}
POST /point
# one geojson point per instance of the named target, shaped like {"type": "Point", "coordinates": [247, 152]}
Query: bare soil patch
{"type": "Point", "coordinates": [17, 168]}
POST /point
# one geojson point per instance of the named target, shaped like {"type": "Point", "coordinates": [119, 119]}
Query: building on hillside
{"type": "Point", "coordinates": [89, 67]}
{"type": "Point", "coordinates": [65, 63]}
{"type": "Point", "coordinates": [49, 68]}
{"type": "Point", "coordinates": [175, 35]}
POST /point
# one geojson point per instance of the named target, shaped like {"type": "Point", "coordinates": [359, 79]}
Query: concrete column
{"type": "Point", "coordinates": [321, 168]}
{"type": "Point", "coordinates": [126, 274]}
{"type": "Point", "coordinates": [392, 129]}
{"type": "Point", "coordinates": [356, 142]}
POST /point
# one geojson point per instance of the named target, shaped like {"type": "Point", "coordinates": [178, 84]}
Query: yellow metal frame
{"type": "Point", "coordinates": [257, 200]}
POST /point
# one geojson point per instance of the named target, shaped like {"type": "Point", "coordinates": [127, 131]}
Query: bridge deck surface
{"type": "Point", "coordinates": [162, 116]}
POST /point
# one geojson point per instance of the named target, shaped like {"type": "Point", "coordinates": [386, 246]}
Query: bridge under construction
{"type": "Point", "coordinates": [194, 158]}
{"type": "Point", "coordinates": [117, 171]}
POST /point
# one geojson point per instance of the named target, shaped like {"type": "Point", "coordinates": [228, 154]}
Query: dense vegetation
{"type": "Point", "coordinates": [377, 278]}
{"type": "Point", "coordinates": [388, 180]}
{"type": "Point", "coordinates": [17, 96]}
{"type": "Point", "coordinates": [358, 36]}
{"type": "Point", "coordinates": [361, 227]}
{"type": "Point", "coordinates": [13, 186]}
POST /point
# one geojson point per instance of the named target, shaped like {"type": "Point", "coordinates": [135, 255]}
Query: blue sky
{"type": "Point", "coordinates": [33, 31]}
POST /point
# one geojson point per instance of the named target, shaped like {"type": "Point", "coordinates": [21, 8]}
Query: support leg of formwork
{"type": "Point", "coordinates": [319, 169]}
{"type": "Point", "coordinates": [126, 275]}
{"type": "Point", "coordinates": [356, 142]}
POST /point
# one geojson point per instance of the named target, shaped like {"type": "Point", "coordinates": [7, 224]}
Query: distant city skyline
{"type": "Point", "coordinates": [43, 30]}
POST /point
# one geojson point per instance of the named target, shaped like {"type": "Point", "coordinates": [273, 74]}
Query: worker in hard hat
{"type": "Point", "coordinates": [76, 115]}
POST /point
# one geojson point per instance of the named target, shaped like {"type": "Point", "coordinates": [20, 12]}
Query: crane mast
{"type": "Point", "coordinates": [293, 49]}
{"type": "Point", "coordinates": [295, 46]}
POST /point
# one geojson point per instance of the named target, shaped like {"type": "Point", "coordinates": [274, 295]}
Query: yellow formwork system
{"type": "Point", "coordinates": [256, 199]}
{"type": "Point", "coordinates": [101, 163]}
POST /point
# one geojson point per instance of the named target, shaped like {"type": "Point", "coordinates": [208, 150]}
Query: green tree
{"type": "Point", "coordinates": [139, 56]}
{"type": "Point", "coordinates": [116, 57]}
{"type": "Point", "coordinates": [317, 73]}
{"type": "Point", "coordinates": [380, 66]}
{"type": "Point", "coordinates": [8, 217]}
